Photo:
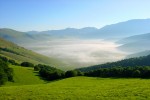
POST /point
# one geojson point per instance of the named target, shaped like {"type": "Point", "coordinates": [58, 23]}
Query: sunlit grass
{"type": "Point", "coordinates": [24, 76]}
{"type": "Point", "coordinates": [81, 88]}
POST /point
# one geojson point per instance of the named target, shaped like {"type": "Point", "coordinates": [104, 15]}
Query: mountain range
{"type": "Point", "coordinates": [132, 36]}
{"type": "Point", "coordinates": [118, 30]}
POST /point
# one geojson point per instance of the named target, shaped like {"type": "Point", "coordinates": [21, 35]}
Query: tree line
{"type": "Point", "coordinates": [51, 73]}
{"type": "Point", "coordinates": [121, 72]}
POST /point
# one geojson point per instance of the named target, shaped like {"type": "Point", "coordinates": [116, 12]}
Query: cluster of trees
{"type": "Point", "coordinates": [138, 72]}
{"type": "Point", "coordinates": [133, 62]}
{"type": "Point", "coordinates": [6, 73]}
{"type": "Point", "coordinates": [5, 59]}
{"type": "Point", "coordinates": [51, 73]}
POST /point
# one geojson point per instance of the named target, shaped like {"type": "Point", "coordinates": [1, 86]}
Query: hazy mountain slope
{"type": "Point", "coordinates": [137, 43]}
{"type": "Point", "coordinates": [139, 54]}
{"type": "Point", "coordinates": [86, 32]}
{"type": "Point", "coordinates": [125, 29]}
{"type": "Point", "coordinates": [21, 54]}
{"type": "Point", "coordinates": [135, 38]}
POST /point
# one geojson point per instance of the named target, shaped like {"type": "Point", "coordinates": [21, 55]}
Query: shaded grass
{"type": "Point", "coordinates": [81, 88]}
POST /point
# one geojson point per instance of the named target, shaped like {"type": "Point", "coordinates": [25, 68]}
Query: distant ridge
{"type": "Point", "coordinates": [117, 30]}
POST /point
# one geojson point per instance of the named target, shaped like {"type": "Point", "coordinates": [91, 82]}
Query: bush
{"type": "Point", "coordinates": [36, 68]}
{"type": "Point", "coordinates": [27, 64]}
{"type": "Point", "coordinates": [71, 73]}
{"type": "Point", "coordinates": [50, 73]}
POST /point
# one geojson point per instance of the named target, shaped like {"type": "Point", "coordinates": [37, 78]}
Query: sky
{"type": "Point", "coordinates": [40, 15]}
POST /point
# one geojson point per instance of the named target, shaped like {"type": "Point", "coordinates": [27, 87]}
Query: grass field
{"type": "Point", "coordinates": [81, 88]}
{"type": "Point", "coordinates": [24, 76]}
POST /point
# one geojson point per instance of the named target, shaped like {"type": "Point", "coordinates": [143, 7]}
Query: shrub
{"type": "Point", "coordinates": [27, 64]}
{"type": "Point", "coordinates": [71, 73]}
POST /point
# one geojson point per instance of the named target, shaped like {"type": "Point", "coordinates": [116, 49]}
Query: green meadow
{"type": "Point", "coordinates": [24, 76]}
{"type": "Point", "coordinates": [28, 86]}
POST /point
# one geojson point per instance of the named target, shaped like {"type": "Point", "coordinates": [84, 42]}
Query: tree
{"type": "Point", "coordinates": [36, 68]}
{"type": "Point", "coordinates": [71, 73]}
{"type": "Point", "coordinates": [50, 73]}
{"type": "Point", "coordinates": [27, 64]}
{"type": "Point", "coordinates": [136, 73]}
{"type": "Point", "coordinates": [6, 73]}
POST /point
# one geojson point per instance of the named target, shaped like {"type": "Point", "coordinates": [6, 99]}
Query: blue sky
{"type": "Point", "coordinates": [26, 15]}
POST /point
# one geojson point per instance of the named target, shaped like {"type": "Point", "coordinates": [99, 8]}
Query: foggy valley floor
{"type": "Point", "coordinates": [79, 52]}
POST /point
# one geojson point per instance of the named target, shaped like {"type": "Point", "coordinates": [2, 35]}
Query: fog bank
{"type": "Point", "coordinates": [76, 52]}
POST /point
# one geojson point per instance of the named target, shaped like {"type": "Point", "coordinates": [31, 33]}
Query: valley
{"type": "Point", "coordinates": [74, 50]}
{"type": "Point", "coordinates": [79, 52]}
{"type": "Point", "coordinates": [72, 64]}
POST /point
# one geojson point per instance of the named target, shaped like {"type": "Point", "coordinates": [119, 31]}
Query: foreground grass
{"type": "Point", "coordinates": [24, 76]}
{"type": "Point", "coordinates": [81, 88]}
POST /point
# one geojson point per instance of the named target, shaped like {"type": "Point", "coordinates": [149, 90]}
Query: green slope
{"type": "Point", "coordinates": [24, 76]}
{"type": "Point", "coordinates": [81, 88]}
{"type": "Point", "coordinates": [21, 54]}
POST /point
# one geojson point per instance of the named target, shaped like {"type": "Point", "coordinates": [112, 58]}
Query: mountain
{"type": "Point", "coordinates": [20, 54]}
{"type": "Point", "coordinates": [125, 29]}
{"type": "Point", "coordinates": [137, 43]}
{"type": "Point", "coordinates": [113, 31]}
{"type": "Point", "coordinates": [86, 32]}
{"type": "Point", "coordinates": [139, 54]}
{"type": "Point", "coordinates": [131, 62]}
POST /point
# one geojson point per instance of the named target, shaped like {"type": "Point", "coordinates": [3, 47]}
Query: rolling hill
{"type": "Point", "coordinates": [21, 54]}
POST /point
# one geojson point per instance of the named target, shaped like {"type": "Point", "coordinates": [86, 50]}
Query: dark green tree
{"type": "Point", "coordinates": [27, 64]}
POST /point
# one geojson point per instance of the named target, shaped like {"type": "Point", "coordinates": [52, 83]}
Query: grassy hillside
{"type": "Point", "coordinates": [81, 88]}
{"type": "Point", "coordinates": [21, 54]}
{"type": "Point", "coordinates": [24, 76]}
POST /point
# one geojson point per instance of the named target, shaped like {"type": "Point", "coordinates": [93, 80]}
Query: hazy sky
{"type": "Point", "coordinates": [25, 15]}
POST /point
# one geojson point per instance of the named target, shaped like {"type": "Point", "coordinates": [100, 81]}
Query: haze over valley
{"type": "Point", "coordinates": [79, 52]}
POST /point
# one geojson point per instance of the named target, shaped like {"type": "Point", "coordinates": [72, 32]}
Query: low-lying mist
{"type": "Point", "coordinates": [77, 52]}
